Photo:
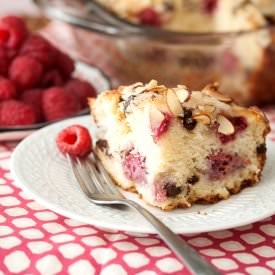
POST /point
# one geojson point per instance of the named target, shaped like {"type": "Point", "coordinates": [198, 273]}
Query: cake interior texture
{"type": "Point", "coordinates": [176, 147]}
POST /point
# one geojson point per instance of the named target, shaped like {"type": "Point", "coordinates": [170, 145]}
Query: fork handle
{"type": "Point", "coordinates": [186, 253]}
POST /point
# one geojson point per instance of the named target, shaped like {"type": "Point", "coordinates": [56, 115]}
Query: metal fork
{"type": "Point", "coordinates": [100, 189]}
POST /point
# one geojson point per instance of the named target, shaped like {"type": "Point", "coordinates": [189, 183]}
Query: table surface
{"type": "Point", "coordinates": [35, 240]}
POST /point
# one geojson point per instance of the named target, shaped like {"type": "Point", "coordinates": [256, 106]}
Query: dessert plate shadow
{"type": "Point", "coordinates": [43, 173]}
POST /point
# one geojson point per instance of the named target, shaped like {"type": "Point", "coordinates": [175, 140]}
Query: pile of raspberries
{"type": "Point", "coordinates": [36, 82]}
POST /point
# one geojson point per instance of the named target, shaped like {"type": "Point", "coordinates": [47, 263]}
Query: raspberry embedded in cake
{"type": "Point", "coordinates": [222, 164]}
{"type": "Point", "coordinates": [176, 147]}
{"type": "Point", "coordinates": [238, 125]}
{"type": "Point", "coordinates": [134, 166]}
{"type": "Point", "coordinates": [149, 16]}
{"type": "Point", "coordinates": [159, 123]}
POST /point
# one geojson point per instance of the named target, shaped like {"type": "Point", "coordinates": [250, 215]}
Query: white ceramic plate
{"type": "Point", "coordinates": [42, 172]}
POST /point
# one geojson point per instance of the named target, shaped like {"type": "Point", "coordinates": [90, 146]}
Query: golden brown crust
{"type": "Point", "coordinates": [235, 190]}
{"type": "Point", "coordinates": [261, 117]}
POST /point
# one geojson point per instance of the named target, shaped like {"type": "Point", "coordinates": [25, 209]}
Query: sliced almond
{"type": "Point", "coordinates": [158, 89]}
{"type": "Point", "coordinates": [139, 90]}
{"type": "Point", "coordinates": [225, 125]}
{"type": "Point", "coordinates": [138, 84]}
{"type": "Point", "coordinates": [128, 90]}
{"type": "Point", "coordinates": [183, 95]}
{"type": "Point", "coordinates": [208, 108]}
{"type": "Point", "coordinates": [212, 90]}
{"type": "Point", "coordinates": [182, 87]}
{"type": "Point", "coordinates": [153, 83]}
{"type": "Point", "coordinates": [173, 103]}
{"type": "Point", "coordinates": [203, 118]}
{"type": "Point", "coordinates": [156, 118]}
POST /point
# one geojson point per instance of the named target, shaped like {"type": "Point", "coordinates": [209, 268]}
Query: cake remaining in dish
{"type": "Point", "coordinates": [193, 16]}
{"type": "Point", "coordinates": [176, 147]}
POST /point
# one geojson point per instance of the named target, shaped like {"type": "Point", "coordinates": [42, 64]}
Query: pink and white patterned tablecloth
{"type": "Point", "coordinates": [35, 240]}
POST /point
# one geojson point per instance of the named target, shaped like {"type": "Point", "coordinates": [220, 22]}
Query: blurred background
{"type": "Point", "coordinates": [192, 43]}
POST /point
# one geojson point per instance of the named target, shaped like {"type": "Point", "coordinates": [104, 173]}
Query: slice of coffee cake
{"type": "Point", "coordinates": [176, 147]}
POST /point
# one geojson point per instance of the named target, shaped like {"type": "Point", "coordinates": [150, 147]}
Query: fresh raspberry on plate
{"type": "Point", "coordinates": [149, 16]}
{"type": "Point", "coordinates": [81, 90]}
{"type": "Point", "coordinates": [7, 89]}
{"type": "Point", "coordinates": [74, 140]}
{"type": "Point", "coordinates": [25, 71]}
{"type": "Point", "coordinates": [13, 31]}
{"type": "Point", "coordinates": [52, 78]}
{"type": "Point", "coordinates": [33, 98]}
{"type": "Point", "coordinates": [13, 112]}
{"type": "Point", "coordinates": [58, 104]}
{"type": "Point", "coordinates": [64, 64]}
{"type": "Point", "coordinates": [40, 49]}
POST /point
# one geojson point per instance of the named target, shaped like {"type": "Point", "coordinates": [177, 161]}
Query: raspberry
{"type": "Point", "coordinates": [7, 89]}
{"type": "Point", "coordinates": [4, 61]}
{"type": "Point", "coordinates": [12, 31]}
{"type": "Point", "coordinates": [13, 112]}
{"type": "Point", "coordinates": [33, 98]}
{"type": "Point", "coordinates": [149, 16]}
{"type": "Point", "coordinates": [158, 132]}
{"type": "Point", "coordinates": [81, 90]}
{"type": "Point", "coordinates": [40, 49]}
{"type": "Point", "coordinates": [221, 164]}
{"type": "Point", "coordinates": [74, 140]}
{"type": "Point", "coordinates": [65, 64]}
{"type": "Point", "coordinates": [4, 36]}
{"type": "Point", "coordinates": [134, 166]}
{"type": "Point", "coordinates": [240, 124]}
{"type": "Point", "coordinates": [58, 104]}
{"type": "Point", "coordinates": [25, 72]}
{"type": "Point", "coordinates": [209, 6]}
{"type": "Point", "coordinates": [52, 78]}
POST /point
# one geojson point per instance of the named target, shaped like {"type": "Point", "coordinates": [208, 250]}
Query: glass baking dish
{"type": "Point", "coordinates": [241, 62]}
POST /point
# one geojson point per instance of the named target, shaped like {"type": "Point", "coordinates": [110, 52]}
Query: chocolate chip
{"type": "Point", "coordinates": [103, 145]}
{"type": "Point", "coordinates": [188, 121]}
{"type": "Point", "coordinates": [270, 19]}
{"type": "Point", "coordinates": [187, 112]}
{"type": "Point", "coordinates": [169, 6]}
{"type": "Point", "coordinates": [261, 149]}
{"type": "Point", "coordinates": [193, 179]}
{"type": "Point", "coordinates": [171, 189]}
{"type": "Point", "coordinates": [127, 103]}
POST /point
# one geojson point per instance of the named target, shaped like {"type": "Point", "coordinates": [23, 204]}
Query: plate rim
{"type": "Point", "coordinates": [20, 182]}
